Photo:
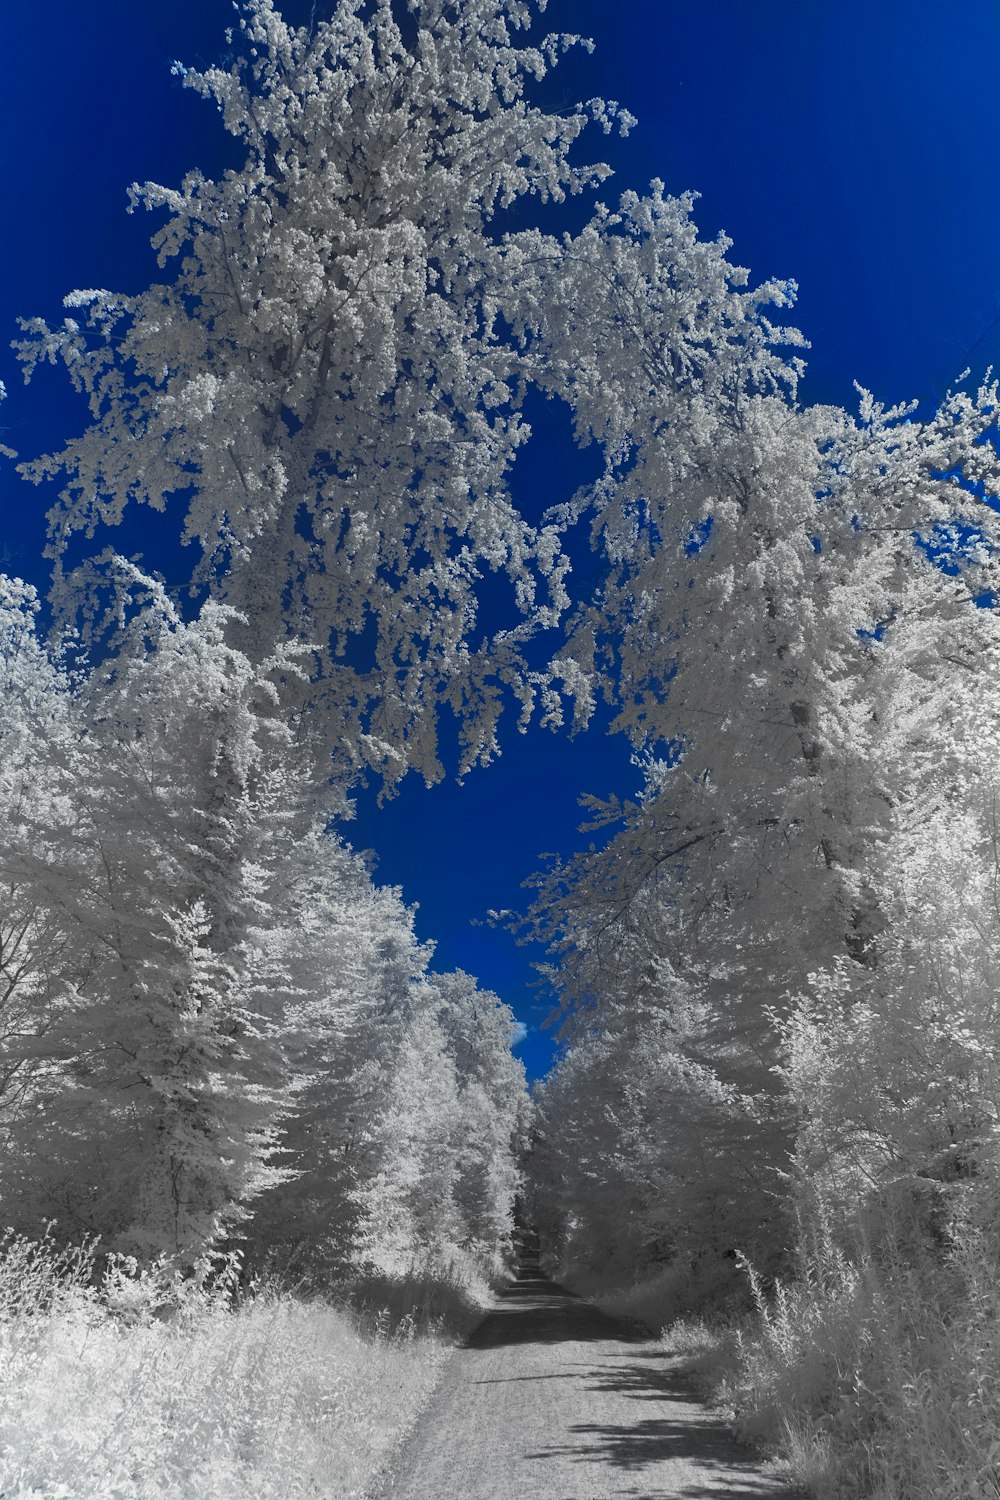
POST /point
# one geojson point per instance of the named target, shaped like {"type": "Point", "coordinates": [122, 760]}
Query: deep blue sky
{"type": "Point", "coordinates": [848, 145]}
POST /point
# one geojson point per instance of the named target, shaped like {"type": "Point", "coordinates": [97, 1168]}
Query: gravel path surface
{"type": "Point", "coordinates": [551, 1399]}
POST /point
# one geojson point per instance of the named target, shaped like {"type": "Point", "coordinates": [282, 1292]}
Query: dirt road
{"type": "Point", "coordinates": [550, 1399]}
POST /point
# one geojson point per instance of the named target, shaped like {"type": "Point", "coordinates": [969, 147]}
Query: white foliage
{"type": "Point", "coordinates": [765, 612]}
{"type": "Point", "coordinates": [324, 388]}
{"type": "Point", "coordinates": [212, 1016]}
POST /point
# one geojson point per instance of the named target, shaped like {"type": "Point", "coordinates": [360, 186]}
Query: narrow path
{"type": "Point", "coordinates": [551, 1399]}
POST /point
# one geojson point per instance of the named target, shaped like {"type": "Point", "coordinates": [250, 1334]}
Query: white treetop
{"type": "Point", "coordinates": [764, 568]}
{"type": "Point", "coordinates": [324, 393]}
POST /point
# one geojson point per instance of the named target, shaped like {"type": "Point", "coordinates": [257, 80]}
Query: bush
{"type": "Point", "coordinates": [712, 1288]}
{"type": "Point", "coordinates": [428, 1299]}
{"type": "Point", "coordinates": [278, 1396]}
{"type": "Point", "coordinates": [873, 1375]}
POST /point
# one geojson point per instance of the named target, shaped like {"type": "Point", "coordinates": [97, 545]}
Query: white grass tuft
{"type": "Point", "coordinates": [874, 1376]}
{"type": "Point", "coordinates": [277, 1399]}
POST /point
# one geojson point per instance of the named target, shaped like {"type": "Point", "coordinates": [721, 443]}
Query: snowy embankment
{"type": "Point", "coordinates": [102, 1397]}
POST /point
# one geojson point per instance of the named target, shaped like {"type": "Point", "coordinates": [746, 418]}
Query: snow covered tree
{"type": "Point", "coordinates": [165, 1073]}
{"type": "Point", "coordinates": [440, 1175]}
{"type": "Point", "coordinates": [39, 763]}
{"type": "Point", "coordinates": [893, 1067]}
{"type": "Point", "coordinates": [755, 551]}
{"type": "Point", "coordinates": [493, 1113]}
{"type": "Point", "coordinates": [355, 963]}
{"type": "Point", "coordinates": [324, 394]}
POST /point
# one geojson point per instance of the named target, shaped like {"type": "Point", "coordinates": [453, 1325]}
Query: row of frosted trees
{"type": "Point", "coordinates": [778, 962]}
{"type": "Point", "coordinates": [215, 1026]}
{"type": "Point", "coordinates": [779, 1098]}
{"type": "Point", "coordinates": [775, 963]}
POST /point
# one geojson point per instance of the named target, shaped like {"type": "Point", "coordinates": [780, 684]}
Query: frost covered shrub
{"type": "Point", "coordinates": [875, 1374]}
{"type": "Point", "coordinates": [277, 1397]}
{"type": "Point", "coordinates": [427, 1299]}
{"type": "Point", "coordinates": [801, 1363]}
{"type": "Point", "coordinates": [940, 1396]}
{"type": "Point", "coordinates": [799, 1374]}
{"type": "Point", "coordinates": [709, 1287]}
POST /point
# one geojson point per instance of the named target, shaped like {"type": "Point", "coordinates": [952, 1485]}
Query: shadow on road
{"type": "Point", "coordinates": [725, 1467]}
{"type": "Point", "coordinates": [720, 1467]}
{"type": "Point", "coordinates": [536, 1310]}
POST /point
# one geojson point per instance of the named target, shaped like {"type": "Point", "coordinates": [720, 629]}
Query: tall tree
{"type": "Point", "coordinates": [165, 1065]}
{"type": "Point", "coordinates": [893, 1066]}
{"type": "Point", "coordinates": [40, 966]}
{"type": "Point", "coordinates": [324, 393]}
{"type": "Point", "coordinates": [756, 554]}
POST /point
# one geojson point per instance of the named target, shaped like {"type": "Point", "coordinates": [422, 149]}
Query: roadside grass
{"type": "Point", "coordinates": [713, 1288]}
{"type": "Point", "coordinates": [124, 1388]}
{"type": "Point", "coordinates": [874, 1376]}
{"type": "Point", "coordinates": [445, 1301]}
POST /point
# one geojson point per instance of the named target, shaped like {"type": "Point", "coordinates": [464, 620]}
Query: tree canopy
{"type": "Point", "coordinates": [774, 966]}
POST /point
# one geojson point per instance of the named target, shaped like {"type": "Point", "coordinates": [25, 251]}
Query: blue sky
{"type": "Point", "coordinates": [850, 146]}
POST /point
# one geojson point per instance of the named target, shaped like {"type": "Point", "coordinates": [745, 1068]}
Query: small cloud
{"type": "Point", "coordinates": [520, 1032]}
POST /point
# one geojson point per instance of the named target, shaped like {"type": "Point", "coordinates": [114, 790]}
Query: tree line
{"type": "Point", "coordinates": [774, 965]}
